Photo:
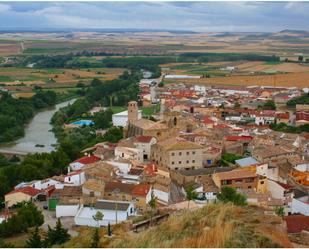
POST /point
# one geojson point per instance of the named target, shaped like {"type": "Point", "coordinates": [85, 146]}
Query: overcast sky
{"type": "Point", "coordinates": [195, 16]}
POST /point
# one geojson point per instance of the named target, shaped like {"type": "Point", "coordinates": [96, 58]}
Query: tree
{"type": "Point", "coordinates": [190, 194]}
{"type": "Point", "coordinates": [279, 211]}
{"type": "Point", "coordinates": [300, 58]}
{"type": "Point", "coordinates": [98, 217]}
{"type": "Point", "coordinates": [35, 239]}
{"type": "Point", "coordinates": [236, 105]}
{"type": "Point", "coordinates": [58, 235]}
{"type": "Point", "coordinates": [229, 194]}
{"type": "Point", "coordinates": [269, 105]}
{"type": "Point", "coordinates": [153, 205]}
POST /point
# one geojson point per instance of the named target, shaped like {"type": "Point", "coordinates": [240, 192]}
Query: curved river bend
{"type": "Point", "coordinates": [38, 131]}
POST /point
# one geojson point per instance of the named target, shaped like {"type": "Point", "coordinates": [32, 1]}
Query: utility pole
{"type": "Point", "coordinates": [116, 192]}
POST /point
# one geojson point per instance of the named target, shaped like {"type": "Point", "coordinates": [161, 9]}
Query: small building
{"type": "Point", "coordinates": [144, 143]}
{"type": "Point", "coordinates": [239, 179]}
{"type": "Point", "coordinates": [20, 195]}
{"type": "Point", "coordinates": [121, 118]}
{"type": "Point", "coordinates": [81, 162]}
{"type": "Point", "coordinates": [113, 211]}
{"type": "Point", "coordinates": [75, 178]}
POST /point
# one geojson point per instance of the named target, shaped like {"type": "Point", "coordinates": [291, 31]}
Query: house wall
{"type": "Point", "coordinates": [146, 147]}
{"type": "Point", "coordinates": [17, 197]}
{"type": "Point", "coordinates": [75, 180]}
{"type": "Point", "coordinates": [177, 159]}
{"type": "Point", "coordinates": [129, 153]}
{"type": "Point", "coordinates": [66, 210]}
{"type": "Point", "coordinates": [276, 190]}
{"type": "Point", "coordinates": [76, 166]}
{"type": "Point", "coordinates": [84, 216]}
{"type": "Point", "coordinates": [161, 195]}
{"type": "Point", "coordinates": [241, 183]}
{"type": "Point", "coordinates": [300, 207]}
{"type": "Point", "coordinates": [123, 167]}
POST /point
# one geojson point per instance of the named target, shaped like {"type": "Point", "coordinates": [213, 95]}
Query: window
{"type": "Point", "coordinates": [193, 161]}
{"type": "Point", "coordinates": [187, 161]}
{"type": "Point", "coordinates": [262, 182]}
{"type": "Point", "coordinates": [249, 187]}
{"type": "Point", "coordinates": [173, 154]}
{"type": "Point", "coordinates": [238, 181]}
{"type": "Point", "coordinates": [176, 168]}
{"type": "Point", "coordinates": [188, 152]}
{"type": "Point", "coordinates": [193, 152]}
{"type": "Point", "coordinates": [179, 162]}
{"type": "Point", "coordinates": [122, 155]}
{"type": "Point", "coordinates": [180, 153]}
{"type": "Point", "coordinates": [250, 179]}
{"type": "Point", "coordinates": [226, 182]}
{"type": "Point", "coordinates": [173, 163]}
{"type": "Point", "coordinates": [91, 194]}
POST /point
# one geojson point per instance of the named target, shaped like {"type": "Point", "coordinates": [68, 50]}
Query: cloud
{"type": "Point", "coordinates": [197, 16]}
{"type": "Point", "coordinates": [4, 7]}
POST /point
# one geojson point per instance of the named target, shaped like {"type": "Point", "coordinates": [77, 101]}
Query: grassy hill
{"type": "Point", "coordinates": [215, 225]}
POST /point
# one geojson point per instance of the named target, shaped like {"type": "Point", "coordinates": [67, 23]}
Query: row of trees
{"type": "Point", "coordinates": [304, 100]}
{"type": "Point", "coordinates": [282, 127]}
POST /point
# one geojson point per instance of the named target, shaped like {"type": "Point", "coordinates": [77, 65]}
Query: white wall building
{"type": "Point", "coordinates": [300, 205]}
{"type": "Point", "coordinates": [75, 178]}
{"type": "Point", "coordinates": [84, 216]}
{"type": "Point", "coordinates": [122, 167]}
{"type": "Point", "coordinates": [121, 118]}
{"type": "Point", "coordinates": [129, 153]}
{"type": "Point", "coordinates": [66, 210]}
{"type": "Point", "coordinates": [144, 144]}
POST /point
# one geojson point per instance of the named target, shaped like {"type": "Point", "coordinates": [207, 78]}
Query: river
{"type": "Point", "coordinates": [38, 131]}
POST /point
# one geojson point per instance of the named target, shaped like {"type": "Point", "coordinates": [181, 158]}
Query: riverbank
{"type": "Point", "coordinates": [38, 132]}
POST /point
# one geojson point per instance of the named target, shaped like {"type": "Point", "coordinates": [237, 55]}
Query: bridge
{"type": "Point", "coordinates": [9, 154]}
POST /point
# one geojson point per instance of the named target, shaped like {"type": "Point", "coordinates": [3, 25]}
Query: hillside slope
{"type": "Point", "coordinates": [215, 225]}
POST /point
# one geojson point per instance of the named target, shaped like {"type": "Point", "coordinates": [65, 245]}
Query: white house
{"type": "Point", "coordinates": [144, 143]}
{"type": "Point", "coordinates": [123, 166]}
{"type": "Point", "coordinates": [128, 153]}
{"type": "Point", "coordinates": [121, 118]}
{"type": "Point", "coordinates": [282, 192]}
{"type": "Point", "coordinates": [162, 195]}
{"type": "Point", "coordinates": [81, 162]}
{"type": "Point", "coordinates": [75, 178]}
{"type": "Point", "coordinates": [44, 184]}
{"type": "Point", "coordinates": [112, 210]}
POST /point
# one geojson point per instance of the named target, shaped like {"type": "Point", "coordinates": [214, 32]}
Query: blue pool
{"type": "Point", "coordinates": [83, 122]}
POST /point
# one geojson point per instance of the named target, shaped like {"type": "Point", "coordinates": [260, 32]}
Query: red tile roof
{"type": "Point", "coordinates": [151, 169]}
{"type": "Point", "coordinates": [297, 223]}
{"type": "Point", "coordinates": [285, 186]}
{"type": "Point", "coordinates": [238, 138]}
{"type": "Point", "coordinates": [26, 190]}
{"type": "Point", "coordinates": [87, 159]}
{"type": "Point", "coordinates": [143, 139]}
{"type": "Point", "coordinates": [141, 189]}
{"type": "Point", "coordinates": [207, 120]}
{"type": "Point", "coordinates": [73, 173]}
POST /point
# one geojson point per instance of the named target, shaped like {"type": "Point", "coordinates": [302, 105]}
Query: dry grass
{"type": "Point", "coordinates": [215, 225]}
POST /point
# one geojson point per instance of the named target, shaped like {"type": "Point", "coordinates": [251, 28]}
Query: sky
{"type": "Point", "coordinates": [195, 16]}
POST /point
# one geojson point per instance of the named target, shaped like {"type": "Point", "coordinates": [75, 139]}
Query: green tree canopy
{"type": "Point", "coordinates": [229, 194]}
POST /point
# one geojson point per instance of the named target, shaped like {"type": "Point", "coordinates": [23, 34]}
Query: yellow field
{"type": "Point", "coordinates": [284, 80]}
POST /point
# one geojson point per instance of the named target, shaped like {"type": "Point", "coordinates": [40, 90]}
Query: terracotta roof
{"type": "Point", "coordinates": [151, 169]}
{"type": "Point", "coordinates": [73, 173]}
{"type": "Point", "coordinates": [141, 189]}
{"type": "Point", "coordinates": [143, 139]}
{"type": "Point", "coordinates": [177, 143]}
{"type": "Point", "coordinates": [297, 223]}
{"type": "Point", "coordinates": [87, 159]}
{"type": "Point", "coordinates": [283, 185]}
{"type": "Point", "coordinates": [238, 138]}
{"type": "Point", "coordinates": [94, 185]}
{"type": "Point", "coordinates": [26, 190]}
{"type": "Point", "coordinates": [122, 187]}
{"type": "Point", "coordinates": [235, 174]}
